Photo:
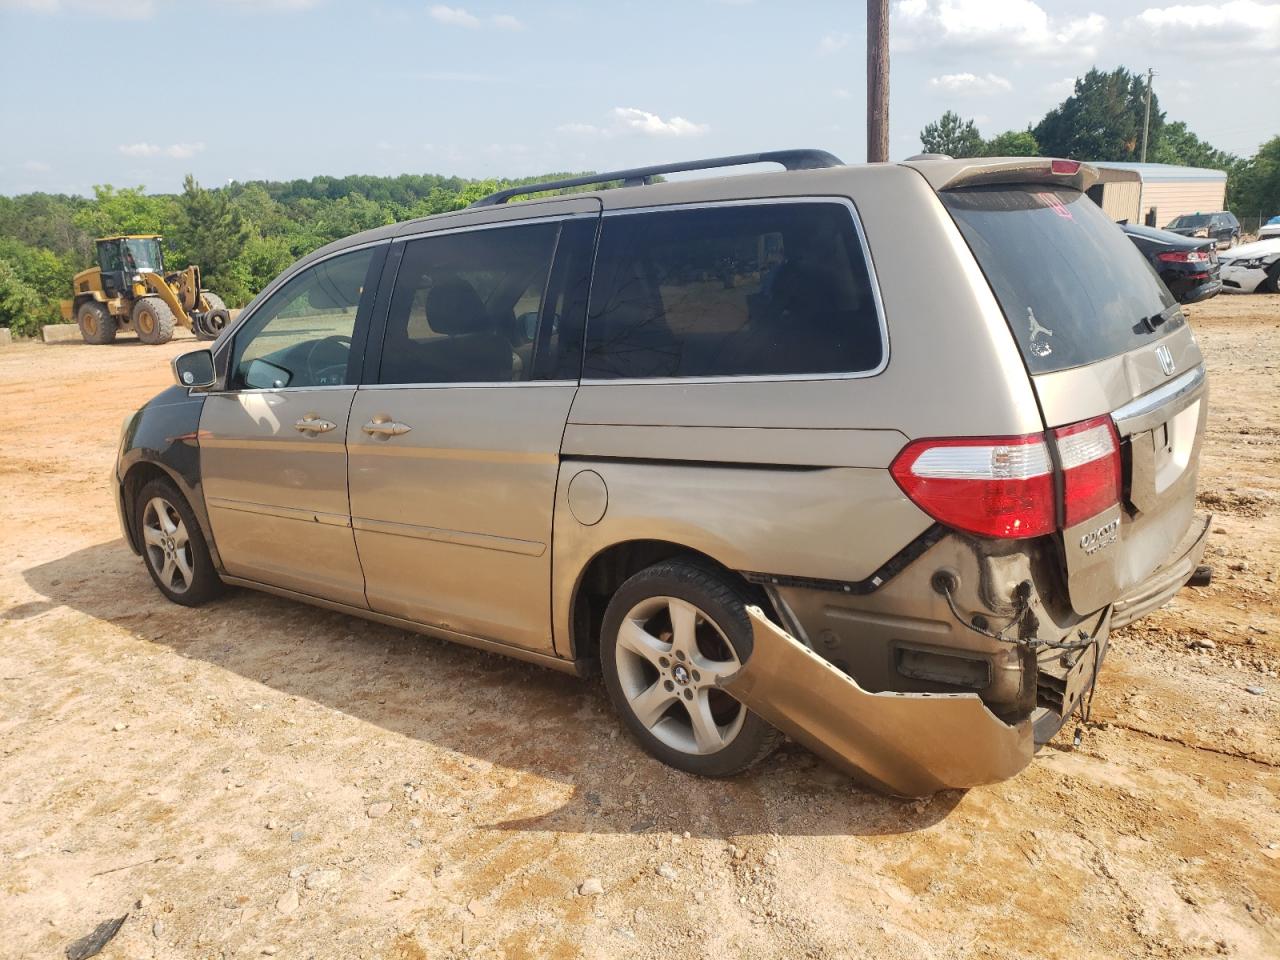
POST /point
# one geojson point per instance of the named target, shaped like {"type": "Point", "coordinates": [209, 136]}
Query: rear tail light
{"type": "Point", "coordinates": [1006, 487]}
{"type": "Point", "coordinates": [1089, 453]}
{"type": "Point", "coordinates": [1184, 256]}
{"type": "Point", "coordinates": [994, 486]}
{"type": "Point", "coordinates": [1068, 167]}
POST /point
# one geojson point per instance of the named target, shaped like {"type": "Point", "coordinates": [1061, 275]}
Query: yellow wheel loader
{"type": "Point", "coordinates": [130, 290]}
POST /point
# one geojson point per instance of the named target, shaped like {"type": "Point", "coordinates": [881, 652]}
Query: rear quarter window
{"type": "Point", "coordinates": [1073, 287]}
{"type": "Point", "coordinates": [769, 289]}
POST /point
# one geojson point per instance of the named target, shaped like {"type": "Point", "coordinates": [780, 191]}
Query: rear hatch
{"type": "Point", "coordinates": [1100, 335]}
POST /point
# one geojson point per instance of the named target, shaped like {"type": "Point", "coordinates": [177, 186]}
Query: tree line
{"type": "Point", "coordinates": [1102, 119]}
{"type": "Point", "coordinates": [241, 235]}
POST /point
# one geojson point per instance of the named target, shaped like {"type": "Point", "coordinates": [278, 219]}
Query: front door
{"type": "Point", "coordinates": [273, 444]}
{"type": "Point", "coordinates": [454, 444]}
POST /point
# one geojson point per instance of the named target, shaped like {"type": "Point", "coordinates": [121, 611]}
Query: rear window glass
{"type": "Point", "coordinates": [1073, 287]}
{"type": "Point", "coordinates": [735, 290]}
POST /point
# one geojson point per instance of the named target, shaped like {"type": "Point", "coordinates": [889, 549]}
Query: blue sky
{"type": "Point", "coordinates": [142, 91]}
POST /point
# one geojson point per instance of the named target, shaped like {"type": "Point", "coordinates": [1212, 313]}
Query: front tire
{"type": "Point", "coordinates": [97, 325]}
{"type": "Point", "coordinates": [173, 545]}
{"type": "Point", "coordinates": [153, 320]}
{"type": "Point", "coordinates": [1272, 283]}
{"type": "Point", "coordinates": [669, 633]}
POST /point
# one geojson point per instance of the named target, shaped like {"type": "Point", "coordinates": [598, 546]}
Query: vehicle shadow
{"type": "Point", "coordinates": [483, 706]}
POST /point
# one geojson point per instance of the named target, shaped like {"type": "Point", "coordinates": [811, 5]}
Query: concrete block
{"type": "Point", "coordinates": [61, 333]}
{"type": "Point", "coordinates": [6, 337]}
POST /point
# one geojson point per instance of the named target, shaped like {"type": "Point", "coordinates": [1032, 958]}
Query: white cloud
{"type": "Point", "coordinates": [174, 151]}
{"type": "Point", "coordinates": [36, 166]}
{"type": "Point", "coordinates": [1061, 88]}
{"type": "Point", "coordinates": [840, 93]}
{"type": "Point", "coordinates": [1237, 24]}
{"type": "Point", "coordinates": [632, 120]}
{"type": "Point", "coordinates": [459, 17]}
{"type": "Point", "coordinates": [994, 25]}
{"type": "Point", "coordinates": [833, 43]}
{"type": "Point", "coordinates": [115, 9]}
{"type": "Point", "coordinates": [654, 125]}
{"type": "Point", "coordinates": [969, 83]}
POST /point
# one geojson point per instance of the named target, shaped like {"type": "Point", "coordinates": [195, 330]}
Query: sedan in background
{"type": "Point", "coordinates": [1270, 229]}
{"type": "Point", "coordinates": [1221, 227]}
{"type": "Point", "coordinates": [1189, 268]}
{"type": "Point", "coordinates": [1252, 268]}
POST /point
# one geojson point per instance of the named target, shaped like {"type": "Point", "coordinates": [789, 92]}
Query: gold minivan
{"type": "Point", "coordinates": [874, 456]}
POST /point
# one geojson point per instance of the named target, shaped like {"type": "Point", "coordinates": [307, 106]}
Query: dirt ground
{"type": "Point", "coordinates": [258, 777]}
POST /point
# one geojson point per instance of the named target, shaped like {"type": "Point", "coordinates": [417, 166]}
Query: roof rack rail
{"type": "Point", "coordinates": [640, 176]}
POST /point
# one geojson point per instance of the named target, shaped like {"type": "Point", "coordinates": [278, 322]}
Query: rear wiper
{"type": "Point", "coordinates": [1164, 316]}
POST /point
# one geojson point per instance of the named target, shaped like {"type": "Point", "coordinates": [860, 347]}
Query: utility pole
{"type": "Point", "coordinates": [1146, 120]}
{"type": "Point", "coordinates": [877, 81]}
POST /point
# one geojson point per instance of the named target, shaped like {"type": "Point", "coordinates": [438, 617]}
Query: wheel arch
{"type": "Point", "coordinates": [136, 477]}
{"type": "Point", "coordinates": [611, 566]}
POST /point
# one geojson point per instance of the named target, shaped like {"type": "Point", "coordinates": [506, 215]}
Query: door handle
{"type": "Point", "coordinates": [385, 428]}
{"type": "Point", "coordinates": [313, 425]}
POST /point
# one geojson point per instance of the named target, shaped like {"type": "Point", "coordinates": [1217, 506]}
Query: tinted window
{"type": "Point", "coordinates": [466, 305]}
{"type": "Point", "coordinates": [301, 335]}
{"type": "Point", "coordinates": [734, 290]}
{"type": "Point", "coordinates": [1073, 287]}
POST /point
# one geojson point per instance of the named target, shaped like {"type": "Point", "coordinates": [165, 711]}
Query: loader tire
{"type": "Point", "coordinates": [97, 325]}
{"type": "Point", "coordinates": [215, 319]}
{"type": "Point", "coordinates": [153, 320]}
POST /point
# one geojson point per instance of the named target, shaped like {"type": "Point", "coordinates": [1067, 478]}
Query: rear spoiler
{"type": "Point", "coordinates": [945, 173]}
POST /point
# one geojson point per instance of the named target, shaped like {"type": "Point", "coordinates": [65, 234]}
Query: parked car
{"type": "Point", "coordinates": [1221, 227]}
{"type": "Point", "coordinates": [1269, 229]}
{"type": "Point", "coordinates": [1189, 268]}
{"type": "Point", "coordinates": [1252, 267]}
{"type": "Point", "coordinates": [716, 440]}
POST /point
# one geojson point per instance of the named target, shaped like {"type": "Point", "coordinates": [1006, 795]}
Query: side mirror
{"type": "Point", "coordinates": [195, 369]}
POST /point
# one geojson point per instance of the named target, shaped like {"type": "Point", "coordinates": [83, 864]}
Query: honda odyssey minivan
{"type": "Point", "coordinates": [873, 456]}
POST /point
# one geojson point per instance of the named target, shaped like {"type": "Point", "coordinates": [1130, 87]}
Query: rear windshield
{"type": "Point", "coordinates": [1191, 220]}
{"type": "Point", "coordinates": [1073, 287]}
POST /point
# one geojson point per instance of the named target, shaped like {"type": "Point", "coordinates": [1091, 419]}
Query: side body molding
{"type": "Point", "coordinates": [905, 744]}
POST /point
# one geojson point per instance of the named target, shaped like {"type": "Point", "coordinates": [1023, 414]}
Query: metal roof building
{"type": "Point", "coordinates": [1161, 191]}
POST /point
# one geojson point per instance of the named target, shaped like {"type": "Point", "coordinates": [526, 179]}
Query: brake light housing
{"type": "Point", "coordinates": [1183, 256]}
{"type": "Point", "coordinates": [1014, 487]}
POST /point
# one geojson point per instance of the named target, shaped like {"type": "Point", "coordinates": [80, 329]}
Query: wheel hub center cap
{"type": "Point", "coordinates": [680, 674]}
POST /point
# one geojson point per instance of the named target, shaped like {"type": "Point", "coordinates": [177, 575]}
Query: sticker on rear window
{"type": "Point", "coordinates": [1054, 203]}
{"type": "Point", "coordinates": [1038, 347]}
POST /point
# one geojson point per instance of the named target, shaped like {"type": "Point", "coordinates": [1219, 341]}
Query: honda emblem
{"type": "Point", "coordinates": [1166, 359]}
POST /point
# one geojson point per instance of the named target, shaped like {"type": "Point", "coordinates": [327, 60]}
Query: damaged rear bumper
{"type": "Point", "coordinates": [1159, 588]}
{"type": "Point", "coordinates": [906, 744]}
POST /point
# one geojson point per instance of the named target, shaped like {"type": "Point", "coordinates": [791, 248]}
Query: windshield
{"type": "Point", "coordinates": [143, 255]}
{"type": "Point", "coordinates": [1191, 220]}
{"type": "Point", "coordinates": [1073, 287]}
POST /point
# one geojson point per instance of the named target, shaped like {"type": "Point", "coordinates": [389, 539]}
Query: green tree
{"type": "Point", "coordinates": [22, 309]}
{"type": "Point", "coordinates": [953, 135]}
{"type": "Point", "coordinates": [1255, 186]}
{"type": "Point", "coordinates": [1179, 145]}
{"type": "Point", "coordinates": [126, 211]}
{"type": "Point", "coordinates": [1101, 120]}
{"type": "Point", "coordinates": [212, 234]}
{"type": "Point", "coordinates": [1013, 143]}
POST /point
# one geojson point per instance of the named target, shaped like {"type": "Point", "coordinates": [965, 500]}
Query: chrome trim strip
{"type": "Point", "coordinates": [1165, 400]}
{"type": "Point", "coordinates": [767, 378]}
{"type": "Point", "coordinates": [283, 513]}
{"type": "Point", "coordinates": [473, 384]}
{"type": "Point", "coordinates": [259, 390]}
{"type": "Point", "coordinates": [492, 646]}
{"type": "Point", "coordinates": [526, 548]}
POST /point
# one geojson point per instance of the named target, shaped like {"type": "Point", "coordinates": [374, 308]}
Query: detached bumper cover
{"type": "Point", "coordinates": [1168, 578]}
{"type": "Point", "coordinates": [905, 744]}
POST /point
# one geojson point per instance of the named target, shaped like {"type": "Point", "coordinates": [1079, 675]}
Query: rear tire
{"type": "Point", "coordinates": [669, 632]}
{"type": "Point", "coordinates": [97, 325]}
{"type": "Point", "coordinates": [173, 545]}
{"type": "Point", "coordinates": [153, 320]}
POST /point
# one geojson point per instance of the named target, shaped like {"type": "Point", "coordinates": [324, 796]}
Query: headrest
{"type": "Point", "coordinates": [454, 308]}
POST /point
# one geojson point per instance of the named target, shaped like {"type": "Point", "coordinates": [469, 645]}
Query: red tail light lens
{"type": "Point", "coordinates": [1068, 167]}
{"type": "Point", "coordinates": [1004, 486]}
{"type": "Point", "coordinates": [1183, 256]}
{"type": "Point", "coordinates": [991, 486]}
{"type": "Point", "coordinates": [1090, 457]}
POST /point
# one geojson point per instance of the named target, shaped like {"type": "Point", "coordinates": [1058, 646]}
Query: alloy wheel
{"type": "Point", "coordinates": [669, 656]}
{"type": "Point", "coordinates": [168, 546]}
